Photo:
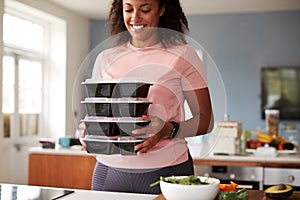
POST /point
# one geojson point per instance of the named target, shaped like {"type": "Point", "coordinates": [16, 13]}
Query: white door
{"type": "Point", "coordinates": [21, 95]}
{"type": "Point", "coordinates": [21, 114]}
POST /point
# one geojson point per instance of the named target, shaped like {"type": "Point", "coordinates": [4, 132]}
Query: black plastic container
{"type": "Point", "coordinates": [98, 108]}
{"type": "Point", "coordinates": [127, 126]}
{"type": "Point", "coordinates": [130, 109]}
{"type": "Point", "coordinates": [103, 126]}
{"type": "Point", "coordinates": [99, 89]}
{"type": "Point", "coordinates": [115, 107]}
{"type": "Point", "coordinates": [101, 146]}
{"type": "Point", "coordinates": [109, 146]}
{"type": "Point", "coordinates": [116, 88]}
{"type": "Point", "coordinates": [131, 89]}
{"type": "Point", "coordinates": [127, 147]}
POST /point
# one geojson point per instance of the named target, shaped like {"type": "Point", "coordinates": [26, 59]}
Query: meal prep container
{"type": "Point", "coordinates": [127, 145]}
{"type": "Point", "coordinates": [127, 125]}
{"type": "Point", "coordinates": [131, 89]}
{"type": "Point", "coordinates": [109, 145]}
{"type": "Point", "coordinates": [116, 88]}
{"type": "Point", "coordinates": [113, 126]}
{"type": "Point", "coordinates": [115, 107]}
{"type": "Point", "coordinates": [101, 145]}
{"type": "Point", "coordinates": [103, 89]}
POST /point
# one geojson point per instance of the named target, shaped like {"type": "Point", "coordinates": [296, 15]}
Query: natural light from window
{"type": "Point", "coordinates": [23, 33]}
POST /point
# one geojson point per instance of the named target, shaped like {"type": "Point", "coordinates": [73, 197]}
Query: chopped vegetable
{"type": "Point", "coordinates": [228, 192]}
{"type": "Point", "coordinates": [189, 180]}
{"type": "Point", "coordinates": [228, 187]}
{"type": "Point", "coordinates": [238, 195]}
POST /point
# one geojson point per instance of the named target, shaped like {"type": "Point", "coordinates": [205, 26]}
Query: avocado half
{"type": "Point", "coordinates": [281, 191]}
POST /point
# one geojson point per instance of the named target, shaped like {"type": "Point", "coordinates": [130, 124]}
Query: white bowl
{"type": "Point", "coordinates": [173, 191]}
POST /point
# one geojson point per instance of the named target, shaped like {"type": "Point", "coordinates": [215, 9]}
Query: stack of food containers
{"type": "Point", "coordinates": [114, 109]}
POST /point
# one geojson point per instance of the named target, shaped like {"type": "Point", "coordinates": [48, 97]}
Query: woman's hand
{"type": "Point", "coordinates": [157, 130]}
{"type": "Point", "coordinates": [82, 134]}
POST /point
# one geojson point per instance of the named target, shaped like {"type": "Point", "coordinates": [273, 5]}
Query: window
{"type": "Point", "coordinates": [33, 73]}
{"type": "Point", "coordinates": [280, 90]}
{"type": "Point", "coordinates": [22, 75]}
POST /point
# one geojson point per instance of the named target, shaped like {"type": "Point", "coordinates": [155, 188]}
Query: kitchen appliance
{"type": "Point", "coordinates": [24, 192]}
{"type": "Point", "coordinates": [274, 176]}
{"type": "Point", "coordinates": [225, 138]}
{"type": "Point", "coordinates": [246, 177]}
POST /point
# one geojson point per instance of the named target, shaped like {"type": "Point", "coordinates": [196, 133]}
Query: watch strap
{"type": "Point", "coordinates": [175, 129]}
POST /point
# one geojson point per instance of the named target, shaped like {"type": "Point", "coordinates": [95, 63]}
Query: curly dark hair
{"type": "Point", "coordinates": [173, 22]}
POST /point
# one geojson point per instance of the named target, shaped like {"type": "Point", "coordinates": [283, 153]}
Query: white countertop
{"type": "Point", "coordinates": [41, 192]}
{"type": "Point", "coordinates": [250, 157]}
{"type": "Point", "coordinates": [73, 150]}
{"type": "Point", "coordinates": [87, 194]}
{"type": "Point", "coordinates": [195, 152]}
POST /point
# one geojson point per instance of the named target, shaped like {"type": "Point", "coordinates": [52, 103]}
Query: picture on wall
{"type": "Point", "coordinates": [280, 89]}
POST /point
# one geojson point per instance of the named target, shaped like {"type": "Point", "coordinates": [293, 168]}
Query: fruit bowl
{"type": "Point", "coordinates": [173, 191]}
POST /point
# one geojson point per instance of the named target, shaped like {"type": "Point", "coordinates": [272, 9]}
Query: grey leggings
{"type": "Point", "coordinates": [136, 181]}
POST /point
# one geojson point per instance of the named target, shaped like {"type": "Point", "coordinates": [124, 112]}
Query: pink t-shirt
{"type": "Point", "coordinates": [172, 70]}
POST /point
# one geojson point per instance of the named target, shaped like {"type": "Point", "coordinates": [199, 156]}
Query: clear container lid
{"type": "Point", "coordinates": [123, 80]}
{"type": "Point", "coordinates": [115, 100]}
{"type": "Point", "coordinates": [115, 119]}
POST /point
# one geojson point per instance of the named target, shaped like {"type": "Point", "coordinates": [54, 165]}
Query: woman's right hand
{"type": "Point", "coordinates": [82, 134]}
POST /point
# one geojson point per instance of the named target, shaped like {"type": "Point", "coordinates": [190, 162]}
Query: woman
{"type": "Point", "coordinates": [153, 46]}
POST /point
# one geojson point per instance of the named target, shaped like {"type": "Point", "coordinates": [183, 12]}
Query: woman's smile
{"type": "Point", "coordinates": [141, 19]}
{"type": "Point", "coordinates": [137, 27]}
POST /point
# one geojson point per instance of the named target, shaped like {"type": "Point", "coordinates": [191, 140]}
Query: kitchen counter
{"type": "Point", "coordinates": [15, 192]}
{"type": "Point", "coordinates": [42, 192]}
{"type": "Point", "coordinates": [73, 150]}
{"type": "Point", "coordinates": [195, 152]}
{"type": "Point", "coordinates": [248, 159]}
{"type": "Point", "coordinates": [87, 194]}
{"type": "Point", "coordinates": [253, 195]}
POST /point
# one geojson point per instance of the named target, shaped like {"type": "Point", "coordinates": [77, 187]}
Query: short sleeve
{"type": "Point", "coordinates": [98, 66]}
{"type": "Point", "coordinates": [192, 70]}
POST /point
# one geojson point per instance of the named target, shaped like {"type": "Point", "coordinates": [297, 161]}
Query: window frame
{"type": "Point", "coordinates": [53, 118]}
{"type": "Point", "coordinates": [22, 53]}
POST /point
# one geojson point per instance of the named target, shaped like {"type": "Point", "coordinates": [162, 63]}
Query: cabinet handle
{"type": "Point", "coordinates": [291, 178]}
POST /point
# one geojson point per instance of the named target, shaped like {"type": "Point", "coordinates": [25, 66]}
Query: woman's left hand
{"type": "Point", "coordinates": [157, 130]}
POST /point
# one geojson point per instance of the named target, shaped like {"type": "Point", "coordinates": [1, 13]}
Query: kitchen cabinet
{"type": "Point", "coordinates": [61, 170]}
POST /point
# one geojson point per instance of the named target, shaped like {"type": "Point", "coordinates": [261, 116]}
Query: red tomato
{"type": "Point", "coordinates": [228, 187]}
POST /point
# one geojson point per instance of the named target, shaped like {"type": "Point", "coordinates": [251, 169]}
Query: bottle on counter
{"type": "Point", "coordinates": [272, 121]}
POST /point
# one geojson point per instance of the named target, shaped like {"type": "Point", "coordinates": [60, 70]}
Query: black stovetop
{"type": "Point", "coordinates": [25, 192]}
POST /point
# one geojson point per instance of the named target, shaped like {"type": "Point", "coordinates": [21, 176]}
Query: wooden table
{"type": "Point", "coordinates": [253, 195]}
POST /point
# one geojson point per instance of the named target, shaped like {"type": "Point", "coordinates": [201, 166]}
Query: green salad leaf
{"type": "Point", "coordinates": [189, 180]}
{"type": "Point", "coordinates": [236, 195]}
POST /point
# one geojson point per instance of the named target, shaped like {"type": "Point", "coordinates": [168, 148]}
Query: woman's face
{"type": "Point", "coordinates": [140, 16]}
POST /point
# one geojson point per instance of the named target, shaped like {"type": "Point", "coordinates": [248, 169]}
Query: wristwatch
{"type": "Point", "coordinates": [174, 130]}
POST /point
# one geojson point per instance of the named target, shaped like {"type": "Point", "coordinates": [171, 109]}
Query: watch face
{"type": "Point", "coordinates": [24, 192]}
